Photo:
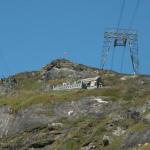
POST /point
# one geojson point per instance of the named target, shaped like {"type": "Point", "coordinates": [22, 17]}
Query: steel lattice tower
{"type": "Point", "coordinates": [124, 38]}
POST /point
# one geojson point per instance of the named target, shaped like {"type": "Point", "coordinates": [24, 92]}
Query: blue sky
{"type": "Point", "coordinates": [34, 32]}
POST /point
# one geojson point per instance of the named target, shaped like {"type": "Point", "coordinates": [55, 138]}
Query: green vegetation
{"type": "Point", "coordinates": [114, 145]}
{"type": "Point", "coordinates": [29, 91]}
{"type": "Point", "coordinates": [140, 126]}
{"type": "Point", "coordinates": [27, 98]}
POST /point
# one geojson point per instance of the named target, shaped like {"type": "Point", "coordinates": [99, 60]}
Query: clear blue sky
{"type": "Point", "coordinates": [34, 32]}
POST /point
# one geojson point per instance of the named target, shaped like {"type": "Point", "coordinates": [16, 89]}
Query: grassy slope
{"type": "Point", "coordinates": [28, 92]}
{"type": "Point", "coordinates": [131, 91]}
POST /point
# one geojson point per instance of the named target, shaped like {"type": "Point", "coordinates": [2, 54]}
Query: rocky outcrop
{"type": "Point", "coordinates": [41, 121]}
{"type": "Point", "coordinates": [62, 68]}
{"type": "Point", "coordinates": [133, 139]}
{"type": "Point", "coordinates": [24, 120]}
{"type": "Point", "coordinates": [64, 63]}
{"type": "Point", "coordinates": [38, 115]}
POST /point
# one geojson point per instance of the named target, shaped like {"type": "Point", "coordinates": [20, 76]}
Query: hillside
{"type": "Point", "coordinates": [113, 117]}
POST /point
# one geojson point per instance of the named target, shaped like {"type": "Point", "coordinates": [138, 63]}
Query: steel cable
{"type": "Point", "coordinates": [118, 25]}
{"type": "Point", "coordinates": [134, 14]}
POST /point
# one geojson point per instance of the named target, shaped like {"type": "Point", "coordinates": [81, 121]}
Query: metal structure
{"type": "Point", "coordinates": [121, 37]}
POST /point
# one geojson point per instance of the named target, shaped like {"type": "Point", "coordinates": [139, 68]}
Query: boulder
{"type": "Point", "coordinates": [106, 140]}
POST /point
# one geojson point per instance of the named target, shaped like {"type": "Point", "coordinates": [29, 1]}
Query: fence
{"type": "Point", "coordinates": [68, 86]}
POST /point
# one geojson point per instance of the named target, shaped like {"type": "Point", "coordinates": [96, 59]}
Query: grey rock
{"type": "Point", "coordinates": [132, 114]}
{"type": "Point", "coordinates": [62, 68]}
{"type": "Point", "coordinates": [37, 115]}
{"type": "Point", "coordinates": [132, 139]}
{"type": "Point", "coordinates": [58, 73]}
{"type": "Point", "coordinates": [27, 119]}
{"type": "Point", "coordinates": [5, 120]}
{"type": "Point", "coordinates": [119, 131]}
{"type": "Point", "coordinates": [106, 140]}
{"type": "Point", "coordinates": [41, 144]}
{"type": "Point", "coordinates": [90, 146]}
{"type": "Point", "coordinates": [146, 118]}
{"type": "Point", "coordinates": [83, 107]}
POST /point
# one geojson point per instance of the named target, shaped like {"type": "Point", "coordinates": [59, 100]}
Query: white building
{"type": "Point", "coordinates": [88, 83]}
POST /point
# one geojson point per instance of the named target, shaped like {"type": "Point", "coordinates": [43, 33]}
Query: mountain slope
{"type": "Point", "coordinates": [116, 116]}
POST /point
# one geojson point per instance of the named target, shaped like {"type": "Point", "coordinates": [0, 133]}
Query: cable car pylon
{"type": "Point", "coordinates": [119, 37]}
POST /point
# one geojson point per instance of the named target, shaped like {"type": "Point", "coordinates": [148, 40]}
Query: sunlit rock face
{"type": "Point", "coordinates": [62, 68]}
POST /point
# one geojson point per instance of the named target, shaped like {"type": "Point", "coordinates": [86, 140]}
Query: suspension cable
{"type": "Point", "coordinates": [112, 59]}
{"type": "Point", "coordinates": [122, 60]}
{"type": "Point", "coordinates": [134, 14]}
{"type": "Point", "coordinates": [118, 25]}
{"type": "Point", "coordinates": [130, 27]}
{"type": "Point", "coordinates": [121, 14]}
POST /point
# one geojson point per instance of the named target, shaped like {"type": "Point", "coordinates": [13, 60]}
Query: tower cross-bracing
{"type": "Point", "coordinates": [124, 38]}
